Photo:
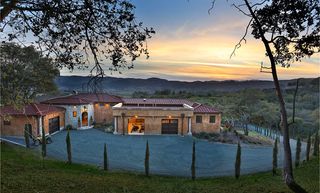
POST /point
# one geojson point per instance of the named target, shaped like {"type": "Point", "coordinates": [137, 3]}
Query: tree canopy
{"type": "Point", "coordinates": [78, 33]}
{"type": "Point", "coordinates": [24, 74]}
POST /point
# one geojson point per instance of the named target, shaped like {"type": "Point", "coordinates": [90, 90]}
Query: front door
{"type": "Point", "coordinates": [169, 126]}
{"type": "Point", "coordinates": [84, 119]}
{"type": "Point", "coordinates": [54, 125]}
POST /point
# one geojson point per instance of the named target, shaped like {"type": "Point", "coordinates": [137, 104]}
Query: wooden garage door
{"type": "Point", "coordinates": [54, 125]}
{"type": "Point", "coordinates": [169, 126]}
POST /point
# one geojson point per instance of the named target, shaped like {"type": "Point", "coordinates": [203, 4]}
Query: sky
{"type": "Point", "coordinates": [190, 44]}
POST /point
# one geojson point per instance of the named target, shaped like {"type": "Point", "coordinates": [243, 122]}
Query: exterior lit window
{"type": "Point", "coordinates": [198, 119]}
{"type": "Point", "coordinates": [74, 113]}
{"type": "Point", "coordinates": [212, 119]}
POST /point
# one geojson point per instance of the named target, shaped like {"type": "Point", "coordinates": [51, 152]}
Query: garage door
{"type": "Point", "coordinates": [54, 125]}
{"type": "Point", "coordinates": [169, 126]}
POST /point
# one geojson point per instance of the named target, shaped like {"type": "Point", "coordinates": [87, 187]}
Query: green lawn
{"type": "Point", "coordinates": [21, 171]}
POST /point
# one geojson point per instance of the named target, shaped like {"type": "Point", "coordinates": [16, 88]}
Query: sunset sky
{"type": "Point", "coordinates": [191, 44]}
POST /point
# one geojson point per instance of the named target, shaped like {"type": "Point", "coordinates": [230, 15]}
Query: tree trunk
{"type": "Point", "coordinates": [287, 165]}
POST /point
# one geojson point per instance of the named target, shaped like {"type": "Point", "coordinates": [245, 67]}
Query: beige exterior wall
{"type": "Point", "coordinates": [206, 126]}
{"type": "Point", "coordinates": [17, 123]}
{"type": "Point", "coordinates": [103, 114]}
{"type": "Point", "coordinates": [152, 119]}
{"type": "Point", "coordinates": [53, 115]}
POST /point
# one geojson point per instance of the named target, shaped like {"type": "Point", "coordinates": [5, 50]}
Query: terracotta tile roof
{"type": "Point", "coordinates": [200, 108]}
{"type": "Point", "coordinates": [158, 101]}
{"type": "Point", "coordinates": [32, 109]}
{"type": "Point", "coordinates": [84, 98]}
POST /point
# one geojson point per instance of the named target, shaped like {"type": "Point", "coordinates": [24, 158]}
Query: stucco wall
{"type": "Point", "coordinates": [17, 123]}
{"type": "Point", "coordinates": [103, 112]}
{"type": "Point", "coordinates": [206, 126]}
{"type": "Point", "coordinates": [152, 119]}
{"type": "Point", "coordinates": [70, 120]}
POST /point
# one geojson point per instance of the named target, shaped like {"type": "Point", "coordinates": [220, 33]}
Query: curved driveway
{"type": "Point", "coordinates": [169, 155]}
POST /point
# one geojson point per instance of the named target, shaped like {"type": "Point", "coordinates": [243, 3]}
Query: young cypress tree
{"type": "Point", "coordinates": [105, 158]}
{"type": "Point", "coordinates": [69, 148]}
{"type": "Point", "coordinates": [275, 157]}
{"type": "Point", "coordinates": [308, 147]}
{"type": "Point", "coordinates": [316, 145]}
{"type": "Point", "coordinates": [26, 135]}
{"type": "Point", "coordinates": [193, 163]}
{"type": "Point", "coordinates": [298, 150]}
{"type": "Point", "coordinates": [238, 162]}
{"type": "Point", "coordinates": [44, 144]}
{"type": "Point", "coordinates": [146, 160]}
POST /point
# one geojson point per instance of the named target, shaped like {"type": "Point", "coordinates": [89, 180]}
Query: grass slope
{"type": "Point", "coordinates": [21, 171]}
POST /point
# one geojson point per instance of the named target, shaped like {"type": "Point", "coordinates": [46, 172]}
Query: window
{"type": "Point", "coordinates": [101, 104]}
{"type": "Point", "coordinates": [198, 119]}
{"type": "Point", "coordinates": [6, 122]}
{"type": "Point", "coordinates": [212, 119]}
{"type": "Point", "coordinates": [74, 113]}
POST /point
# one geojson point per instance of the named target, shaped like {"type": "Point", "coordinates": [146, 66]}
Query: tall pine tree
{"type": "Point", "coordinates": [193, 163]}
{"type": "Point", "coordinates": [146, 160]}
{"type": "Point", "coordinates": [308, 147]}
{"type": "Point", "coordinates": [105, 158]}
{"type": "Point", "coordinates": [238, 161]}
{"type": "Point", "coordinates": [298, 150]}
{"type": "Point", "coordinates": [275, 157]}
{"type": "Point", "coordinates": [68, 142]}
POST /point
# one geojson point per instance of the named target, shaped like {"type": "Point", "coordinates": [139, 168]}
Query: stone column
{"type": "Point", "coordinates": [189, 126]}
{"type": "Point", "coordinates": [115, 125]}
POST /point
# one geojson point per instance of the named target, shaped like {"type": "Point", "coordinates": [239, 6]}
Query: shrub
{"type": "Point", "coordinates": [238, 161]}
{"type": "Point", "coordinates": [69, 127]}
{"type": "Point", "coordinates": [91, 121]}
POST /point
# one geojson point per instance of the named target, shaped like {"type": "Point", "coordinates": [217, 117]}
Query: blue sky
{"type": "Point", "coordinates": [191, 44]}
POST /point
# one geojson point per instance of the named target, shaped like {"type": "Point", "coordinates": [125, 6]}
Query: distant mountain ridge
{"type": "Point", "coordinates": [129, 85]}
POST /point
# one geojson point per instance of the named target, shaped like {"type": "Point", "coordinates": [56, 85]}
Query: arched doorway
{"type": "Point", "coordinates": [85, 119]}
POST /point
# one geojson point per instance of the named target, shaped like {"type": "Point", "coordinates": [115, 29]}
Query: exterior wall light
{"type": "Point", "coordinates": [136, 116]}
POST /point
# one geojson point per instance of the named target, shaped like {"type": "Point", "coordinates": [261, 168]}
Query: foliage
{"type": "Point", "coordinates": [316, 145]}
{"type": "Point", "coordinates": [238, 162]}
{"type": "Point", "coordinates": [68, 142]}
{"type": "Point", "coordinates": [69, 127]}
{"type": "Point", "coordinates": [308, 148]}
{"type": "Point", "coordinates": [76, 33]}
{"type": "Point", "coordinates": [24, 74]}
{"type": "Point", "coordinates": [146, 160]}
{"type": "Point", "coordinates": [193, 162]}
{"type": "Point", "coordinates": [105, 158]}
{"type": "Point", "coordinates": [26, 135]}
{"type": "Point", "coordinates": [275, 157]}
{"type": "Point", "coordinates": [298, 151]}
{"type": "Point", "coordinates": [70, 178]}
